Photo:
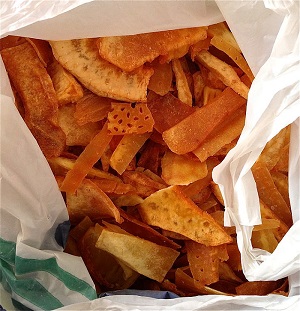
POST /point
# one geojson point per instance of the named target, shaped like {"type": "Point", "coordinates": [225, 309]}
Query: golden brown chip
{"type": "Point", "coordinates": [90, 200]}
{"type": "Point", "coordinates": [161, 80]}
{"type": "Point", "coordinates": [131, 52]}
{"type": "Point", "coordinates": [183, 89]}
{"type": "Point", "coordinates": [272, 151]}
{"type": "Point", "coordinates": [91, 108]}
{"type": "Point", "coordinates": [128, 118]}
{"type": "Point", "coordinates": [224, 71]}
{"type": "Point", "coordinates": [230, 130]}
{"type": "Point", "coordinates": [204, 262]}
{"type": "Point", "coordinates": [260, 288]}
{"type": "Point", "coordinates": [170, 209]}
{"type": "Point", "coordinates": [144, 184]}
{"type": "Point", "coordinates": [269, 193]}
{"type": "Point", "coordinates": [81, 58]}
{"type": "Point", "coordinates": [181, 170]}
{"type": "Point", "coordinates": [189, 133]}
{"type": "Point", "coordinates": [76, 135]}
{"type": "Point", "coordinates": [155, 262]}
{"type": "Point", "coordinates": [42, 49]}
{"type": "Point", "coordinates": [36, 90]}
{"type": "Point", "coordinates": [67, 89]}
{"type": "Point", "coordinates": [103, 267]}
{"type": "Point", "coordinates": [126, 150]}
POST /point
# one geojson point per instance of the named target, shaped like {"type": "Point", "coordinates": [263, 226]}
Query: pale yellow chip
{"type": "Point", "coordinates": [81, 58]}
{"type": "Point", "coordinates": [143, 256]}
{"type": "Point", "coordinates": [171, 210]}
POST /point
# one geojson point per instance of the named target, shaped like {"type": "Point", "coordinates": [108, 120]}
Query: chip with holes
{"type": "Point", "coordinates": [129, 118]}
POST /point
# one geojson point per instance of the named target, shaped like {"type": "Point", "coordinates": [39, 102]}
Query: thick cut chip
{"type": "Point", "coordinates": [269, 193]}
{"type": "Point", "coordinates": [81, 228]}
{"type": "Point", "coordinates": [194, 188]}
{"type": "Point", "coordinates": [76, 135]}
{"type": "Point", "coordinates": [223, 40]}
{"type": "Point", "coordinates": [128, 118]}
{"type": "Point", "coordinates": [35, 88]}
{"type": "Point", "coordinates": [87, 159]}
{"type": "Point", "coordinates": [103, 267]}
{"type": "Point", "coordinates": [67, 89]}
{"type": "Point", "coordinates": [161, 80]}
{"type": "Point", "coordinates": [209, 94]}
{"type": "Point", "coordinates": [144, 231]}
{"type": "Point", "coordinates": [223, 136]}
{"type": "Point", "coordinates": [272, 151]}
{"type": "Point", "coordinates": [131, 52]}
{"type": "Point", "coordinates": [199, 85]}
{"type": "Point", "coordinates": [126, 150]}
{"type": "Point", "coordinates": [170, 209]}
{"type": "Point", "coordinates": [167, 111]}
{"type": "Point", "coordinates": [144, 184]}
{"type": "Point", "coordinates": [204, 262]}
{"type": "Point", "coordinates": [183, 89]}
{"type": "Point", "coordinates": [42, 49]}
{"type": "Point", "coordinates": [221, 30]}
{"type": "Point", "coordinates": [145, 257]}
{"type": "Point", "coordinates": [91, 108]}
{"type": "Point", "coordinates": [281, 182]}
{"type": "Point", "coordinates": [264, 239]}
{"type": "Point", "coordinates": [11, 41]}
{"type": "Point", "coordinates": [224, 71]}
{"type": "Point", "coordinates": [181, 170]}
{"type": "Point", "coordinates": [81, 58]}
{"type": "Point", "coordinates": [234, 54]}
{"type": "Point", "coordinates": [186, 283]}
{"type": "Point", "coordinates": [113, 187]}
{"type": "Point", "coordinates": [283, 163]}
{"type": "Point", "coordinates": [150, 156]}
{"type": "Point", "coordinates": [68, 164]}
{"type": "Point", "coordinates": [268, 214]}
{"type": "Point", "coordinates": [89, 200]}
{"type": "Point", "coordinates": [189, 133]}
{"type": "Point", "coordinates": [260, 288]}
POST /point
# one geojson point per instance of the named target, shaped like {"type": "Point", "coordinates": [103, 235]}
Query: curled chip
{"type": "Point", "coordinates": [129, 119]}
{"type": "Point", "coordinates": [131, 52]}
{"type": "Point", "coordinates": [81, 58]}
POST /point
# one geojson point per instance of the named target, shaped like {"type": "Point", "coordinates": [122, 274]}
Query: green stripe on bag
{"type": "Point", "coordinates": [29, 289]}
{"type": "Point", "coordinates": [8, 251]}
{"type": "Point", "coordinates": [25, 265]}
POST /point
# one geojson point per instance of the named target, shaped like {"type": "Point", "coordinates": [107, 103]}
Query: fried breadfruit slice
{"type": "Point", "coordinates": [81, 58]}
{"type": "Point", "coordinates": [34, 86]}
{"type": "Point", "coordinates": [132, 51]}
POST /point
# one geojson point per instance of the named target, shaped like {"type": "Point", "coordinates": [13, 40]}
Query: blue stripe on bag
{"type": "Point", "coordinates": [30, 289]}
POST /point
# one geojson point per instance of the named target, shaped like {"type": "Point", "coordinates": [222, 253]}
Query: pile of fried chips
{"type": "Point", "coordinates": [132, 128]}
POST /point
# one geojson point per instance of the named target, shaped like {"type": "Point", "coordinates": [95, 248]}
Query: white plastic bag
{"type": "Point", "coordinates": [32, 210]}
